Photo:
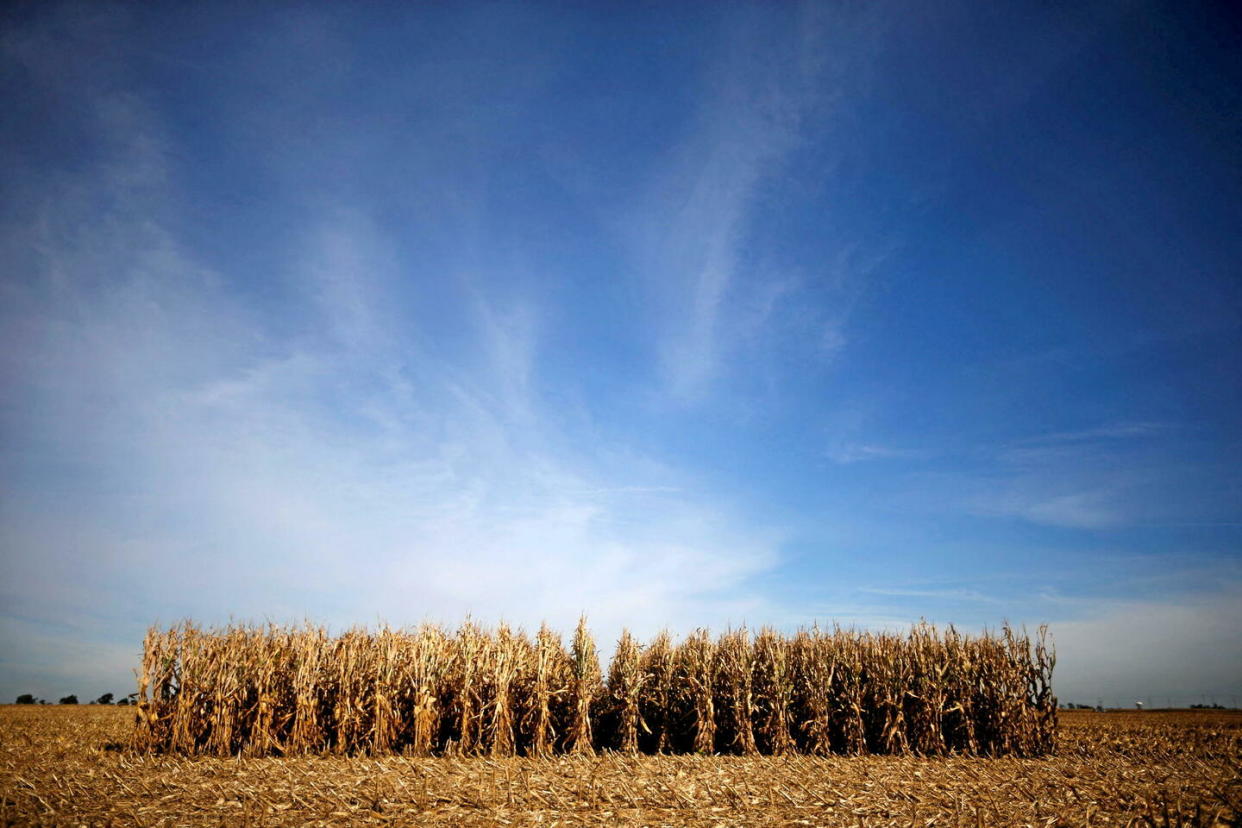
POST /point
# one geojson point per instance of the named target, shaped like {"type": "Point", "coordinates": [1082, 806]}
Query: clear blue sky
{"type": "Point", "coordinates": [674, 313]}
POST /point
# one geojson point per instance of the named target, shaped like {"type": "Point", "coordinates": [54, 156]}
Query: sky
{"type": "Point", "coordinates": [677, 315]}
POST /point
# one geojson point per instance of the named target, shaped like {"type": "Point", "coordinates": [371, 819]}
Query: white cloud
{"type": "Point", "coordinates": [701, 244]}
{"type": "Point", "coordinates": [972, 596]}
{"type": "Point", "coordinates": [273, 487]}
{"type": "Point", "coordinates": [847, 452]}
{"type": "Point", "coordinates": [717, 291]}
{"type": "Point", "coordinates": [1108, 431]}
{"type": "Point", "coordinates": [318, 459]}
{"type": "Point", "coordinates": [189, 452]}
{"type": "Point", "coordinates": [1106, 477]}
{"type": "Point", "coordinates": [1072, 510]}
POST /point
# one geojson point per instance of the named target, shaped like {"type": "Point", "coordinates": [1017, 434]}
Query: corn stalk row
{"type": "Point", "coordinates": [272, 690]}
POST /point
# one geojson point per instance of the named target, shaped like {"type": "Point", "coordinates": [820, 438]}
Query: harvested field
{"type": "Point", "coordinates": [65, 766]}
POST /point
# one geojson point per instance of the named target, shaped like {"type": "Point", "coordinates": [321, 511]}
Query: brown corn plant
{"type": "Point", "coordinates": [625, 686]}
{"type": "Point", "coordinates": [584, 688]}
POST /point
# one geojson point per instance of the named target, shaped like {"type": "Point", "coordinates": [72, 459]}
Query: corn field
{"type": "Point", "coordinates": [428, 691]}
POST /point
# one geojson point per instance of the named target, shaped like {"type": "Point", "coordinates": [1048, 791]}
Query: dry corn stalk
{"type": "Point", "coordinates": [625, 683]}
{"type": "Point", "coordinates": [656, 695]}
{"type": "Point", "coordinates": [696, 679]}
{"type": "Point", "coordinates": [549, 685]}
{"type": "Point", "coordinates": [734, 678]}
{"type": "Point", "coordinates": [772, 684]}
{"type": "Point", "coordinates": [584, 687]}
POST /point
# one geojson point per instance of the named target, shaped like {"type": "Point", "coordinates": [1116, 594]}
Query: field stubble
{"type": "Point", "coordinates": [67, 766]}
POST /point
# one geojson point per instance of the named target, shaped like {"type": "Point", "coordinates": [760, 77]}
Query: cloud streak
{"type": "Point", "coordinates": [697, 231]}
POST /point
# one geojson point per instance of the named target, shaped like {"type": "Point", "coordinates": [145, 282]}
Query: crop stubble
{"type": "Point", "coordinates": [68, 766]}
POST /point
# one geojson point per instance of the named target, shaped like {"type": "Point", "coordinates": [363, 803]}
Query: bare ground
{"type": "Point", "coordinates": [69, 766]}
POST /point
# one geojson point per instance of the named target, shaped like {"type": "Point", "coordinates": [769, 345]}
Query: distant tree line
{"type": "Point", "coordinates": [1100, 707]}
{"type": "Point", "coordinates": [106, 698]}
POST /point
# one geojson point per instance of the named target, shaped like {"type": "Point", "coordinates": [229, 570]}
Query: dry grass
{"type": "Point", "coordinates": [259, 691]}
{"type": "Point", "coordinates": [64, 766]}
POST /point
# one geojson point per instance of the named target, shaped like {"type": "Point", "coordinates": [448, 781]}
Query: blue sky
{"type": "Point", "coordinates": [674, 314]}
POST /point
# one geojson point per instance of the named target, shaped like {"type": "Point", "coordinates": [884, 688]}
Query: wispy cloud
{"type": "Point", "coordinates": [1048, 504]}
{"type": "Point", "coordinates": [957, 595]}
{"type": "Point", "coordinates": [1105, 477]}
{"type": "Point", "coordinates": [314, 477]}
{"type": "Point", "coordinates": [314, 458]}
{"type": "Point", "coordinates": [702, 242]}
{"type": "Point", "coordinates": [847, 453]}
{"type": "Point", "coordinates": [1108, 431]}
{"type": "Point", "coordinates": [697, 240]}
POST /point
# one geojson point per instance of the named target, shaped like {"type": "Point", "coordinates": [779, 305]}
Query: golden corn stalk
{"type": "Point", "coordinates": [271, 690]}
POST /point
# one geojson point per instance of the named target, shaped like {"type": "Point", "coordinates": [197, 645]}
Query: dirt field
{"type": "Point", "coordinates": [67, 766]}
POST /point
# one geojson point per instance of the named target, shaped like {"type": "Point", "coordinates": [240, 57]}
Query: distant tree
{"type": "Point", "coordinates": [70, 699]}
{"type": "Point", "coordinates": [106, 698]}
{"type": "Point", "coordinates": [25, 698]}
{"type": "Point", "coordinates": [122, 702]}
